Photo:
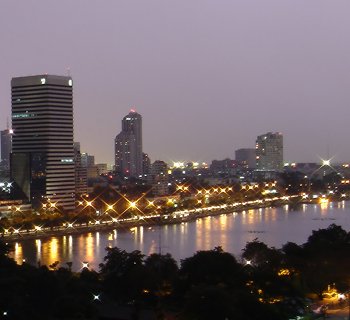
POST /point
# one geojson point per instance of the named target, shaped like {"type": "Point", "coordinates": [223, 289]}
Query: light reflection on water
{"type": "Point", "coordinates": [274, 226]}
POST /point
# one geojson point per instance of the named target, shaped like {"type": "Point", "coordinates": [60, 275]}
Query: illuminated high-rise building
{"type": "Point", "coordinates": [42, 159]}
{"type": "Point", "coordinates": [128, 146]}
{"type": "Point", "coordinates": [269, 152]}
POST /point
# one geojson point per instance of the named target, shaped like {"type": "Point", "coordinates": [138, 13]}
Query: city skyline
{"type": "Point", "coordinates": [207, 78]}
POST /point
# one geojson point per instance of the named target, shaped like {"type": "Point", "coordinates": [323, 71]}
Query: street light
{"type": "Point", "coordinates": [132, 205]}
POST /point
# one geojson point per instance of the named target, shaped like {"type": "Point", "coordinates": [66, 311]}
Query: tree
{"type": "Point", "coordinates": [124, 274]}
{"type": "Point", "coordinates": [210, 267]}
{"type": "Point", "coordinates": [162, 271]}
{"type": "Point", "coordinates": [261, 256]}
{"type": "Point", "coordinates": [324, 250]}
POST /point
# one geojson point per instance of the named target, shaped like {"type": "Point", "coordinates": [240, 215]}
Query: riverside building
{"type": "Point", "coordinates": [42, 159]}
{"type": "Point", "coordinates": [269, 152]}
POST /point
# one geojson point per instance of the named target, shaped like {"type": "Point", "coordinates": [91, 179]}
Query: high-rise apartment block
{"type": "Point", "coordinates": [246, 158]}
{"type": "Point", "coordinates": [128, 146]}
{"type": "Point", "coordinates": [269, 152]}
{"type": "Point", "coordinates": [42, 159]}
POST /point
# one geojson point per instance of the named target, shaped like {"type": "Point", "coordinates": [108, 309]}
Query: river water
{"type": "Point", "coordinates": [274, 226]}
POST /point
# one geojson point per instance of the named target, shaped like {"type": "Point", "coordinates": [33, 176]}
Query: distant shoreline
{"type": "Point", "coordinates": [159, 221]}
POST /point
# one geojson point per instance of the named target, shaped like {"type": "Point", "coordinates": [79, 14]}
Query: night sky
{"type": "Point", "coordinates": [207, 76]}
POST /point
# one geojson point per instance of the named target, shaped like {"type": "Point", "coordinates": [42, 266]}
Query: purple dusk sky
{"type": "Point", "coordinates": [207, 76]}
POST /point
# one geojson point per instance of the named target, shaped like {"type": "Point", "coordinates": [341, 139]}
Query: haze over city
{"type": "Point", "coordinates": [206, 76]}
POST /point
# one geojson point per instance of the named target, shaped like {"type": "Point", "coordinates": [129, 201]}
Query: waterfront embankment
{"type": "Point", "coordinates": [179, 216]}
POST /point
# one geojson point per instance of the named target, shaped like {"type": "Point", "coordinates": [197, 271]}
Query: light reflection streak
{"type": "Point", "coordinates": [223, 228]}
{"type": "Point", "coordinates": [135, 232]}
{"type": "Point", "coordinates": [206, 234]}
{"type": "Point", "coordinates": [324, 208]}
{"type": "Point", "coordinates": [343, 204]}
{"type": "Point", "coordinates": [141, 235]}
{"type": "Point", "coordinates": [53, 250]}
{"type": "Point", "coordinates": [64, 245]}
{"type": "Point", "coordinates": [153, 247]}
{"type": "Point", "coordinates": [38, 249]}
{"type": "Point", "coordinates": [38, 245]}
{"type": "Point", "coordinates": [18, 253]}
{"type": "Point", "coordinates": [97, 239]}
{"type": "Point", "coordinates": [141, 244]}
{"type": "Point", "coordinates": [184, 228]}
{"type": "Point", "coordinates": [70, 247]}
{"type": "Point", "coordinates": [273, 215]}
{"type": "Point", "coordinates": [89, 245]}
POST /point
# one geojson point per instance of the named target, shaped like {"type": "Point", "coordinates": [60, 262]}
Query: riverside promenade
{"type": "Point", "coordinates": [179, 216]}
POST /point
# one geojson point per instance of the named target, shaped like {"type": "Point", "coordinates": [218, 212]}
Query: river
{"type": "Point", "coordinates": [274, 226]}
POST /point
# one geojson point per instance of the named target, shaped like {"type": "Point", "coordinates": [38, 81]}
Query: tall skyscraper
{"type": "Point", "coordinates": [128, 146]}
{"type": "Point", "coordinates": [42, 159]}
{"type": "Point", "coordinates": [269, 152]}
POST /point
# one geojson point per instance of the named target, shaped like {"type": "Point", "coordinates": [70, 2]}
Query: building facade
{"type": "Point", "coordinates": [87, 160]}
{"type": "Point", "coordinates": [158, 178]}
{"type": "Point", "coordinates": [128, 146]}
{"type": "Point", "coordinates": [223, 168]}
{"type": "Point", "coordinates": [146, 163]}
{"type": "Point", "coordinates": [6, 146]}
{"type": "Point", "coordinates": [269, 152]}
{"type": "Point", "coordinates": [246, 158]}
{"type": "Point", "coordinates": [80, 173]}
{"type": "Point", "coordinates": [42, 159]}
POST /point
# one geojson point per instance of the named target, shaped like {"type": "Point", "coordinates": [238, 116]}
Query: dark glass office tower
{"type": "Point", "coordinates": [42, 160]}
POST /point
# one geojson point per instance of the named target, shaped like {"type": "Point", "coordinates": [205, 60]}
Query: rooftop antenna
{"type": "Point", "coordinates": [68, 71]}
